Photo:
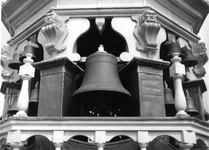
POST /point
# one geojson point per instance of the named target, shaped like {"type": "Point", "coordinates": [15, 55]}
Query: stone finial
{"type": "Point", "coordinates": [146, 33]}
{"type": "Point", "coordinates": [100, 23]}
{"type": "Point", "coordinates": [201, 56]}
{"type": "Point", "coordinates": [53, 30]}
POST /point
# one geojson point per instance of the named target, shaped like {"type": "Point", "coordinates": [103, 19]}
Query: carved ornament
{"type": "Point", "coordinates": [146, 32]}
{"type": "Point", "coordinates": [5, 60]}
{"type": "Point", "coordinates": [53, 30]}
{"type": "Point", "coordinates": [202, 57]}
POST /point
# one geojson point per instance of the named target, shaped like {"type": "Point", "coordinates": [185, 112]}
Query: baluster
{"type": "Point", "coordinates": [185, 146]}
{"type": "Point", "coordinates": [16, 145]}
{"type": "Point", "coordinates": [100, 137]}
{"type": "Point", "coordinates": [100, 146]}
{"type": "Point", "coordinates": [143, 146]}
{"type": "Point", "coordinates": [58, 146]}
{"type": "Point", "coordinates": [143, 139]}
{"type": "Point", "coordinates": [58, 139]}
{"type": "Point", "coordinates": [177, 70]}
{"type": "Point", "coordinates": [26, 72]}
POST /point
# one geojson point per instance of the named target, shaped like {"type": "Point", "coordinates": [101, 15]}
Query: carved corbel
{"type": "Point", "coordinates": [146, 32]}
{"type": "Point", "coordinates": [5, 55]}
{"type": "Point", "coordinates": [201, 56]}
{"type": "Point", "coordinates": [54, 32]}
{"type": "Point", "coordinates": [5, 60]}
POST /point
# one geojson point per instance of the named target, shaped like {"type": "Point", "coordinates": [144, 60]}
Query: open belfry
{"type": "Point", "coordinates": [104, 75]}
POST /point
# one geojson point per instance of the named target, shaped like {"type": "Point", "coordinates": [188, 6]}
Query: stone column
{"type": "Point", "coordinates": [57, 84]}
{"type": "Point", "coordinates": [143, 79]}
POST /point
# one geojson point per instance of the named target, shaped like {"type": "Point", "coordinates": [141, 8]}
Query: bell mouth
{"type": "Point", "coordinates": [15, 64]}
{"type": "Point", "coordinates": [105, 103]}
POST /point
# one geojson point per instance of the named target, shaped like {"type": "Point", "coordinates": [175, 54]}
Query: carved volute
{"type": "Point", "coordinates": [146, 33]}
{"type": "Point", "coordinates": [202, 57]}
{"type": "Point", "coordinates": [5, 60]}
{"type": "Point", "coordinates": [53, 31]}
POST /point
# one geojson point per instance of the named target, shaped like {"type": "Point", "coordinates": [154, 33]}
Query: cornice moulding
{"type": "Point", "coordinates": [181, 9]}
{"type": "Point", "coordinates": [167, 23]}
{"type": "Point", "coordinates": [22, 13]}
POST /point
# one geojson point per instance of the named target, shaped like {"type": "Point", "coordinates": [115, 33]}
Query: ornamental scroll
{"type": "Point", "coordinates": [54, 31]}
{"type": "Point", "coordinates": [5, 60]}
{"type": "Point", "coordinates": [146, 32]}
{"type": "Point", "coordinates": [202, 57]}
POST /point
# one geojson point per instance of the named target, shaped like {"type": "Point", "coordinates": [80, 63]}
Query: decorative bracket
{"type": "Point", "coordinates": [100, 22]}
{"type": "Point", "coordinates": [54, 31]}
{"type": "Point", "coordinates": [202, 57]}
{"type": "Point", "coordinates": [146, 32]}
{"type": "Point", "coordinates": [5, 60]}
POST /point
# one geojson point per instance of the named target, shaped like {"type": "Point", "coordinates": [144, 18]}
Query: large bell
{"type": "Point", "coordinates": [170, 47]}
{"type": "Point", "coordinates": [189, 59]}
{"type": "Point", "coordinates": [37, 53]}
{"type": "Point", "coordinates": [191, 109]}
{"type": "Point", "coordinates": [101, 88]}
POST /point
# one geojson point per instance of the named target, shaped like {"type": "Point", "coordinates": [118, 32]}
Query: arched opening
{"type": "Point", "coordinates": [38, 142]}
{"type": "Point", "coordinates": [163, 142]}
{"type": "Point", "coordinates": [90, 41]}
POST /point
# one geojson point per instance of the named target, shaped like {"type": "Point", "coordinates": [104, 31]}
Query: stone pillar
{"type": "Point", "coordinates": [57, 84]}
{"type": "Point", "coordinates": [196, 88]}
{"type": "Point", "coordinates": [143, 79]}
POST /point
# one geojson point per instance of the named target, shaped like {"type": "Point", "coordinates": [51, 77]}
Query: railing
{"type": "Point", "coordinates": [102, 129]}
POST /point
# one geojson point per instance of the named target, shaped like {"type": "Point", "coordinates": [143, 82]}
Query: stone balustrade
{"type": "Point", "coordinates": [102, 129]}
